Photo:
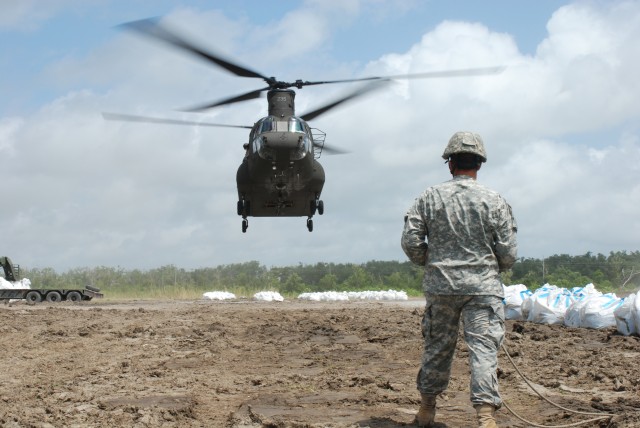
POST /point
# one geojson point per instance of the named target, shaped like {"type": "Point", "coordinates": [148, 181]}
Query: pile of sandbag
{"type": "Point", "coordinates": [583, 307]}
{"type": "Point", "coordinates": [9, 285]}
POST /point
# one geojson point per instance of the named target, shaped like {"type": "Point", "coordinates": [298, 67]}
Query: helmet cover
{"type": "Point", "coordinates": [465, 142]}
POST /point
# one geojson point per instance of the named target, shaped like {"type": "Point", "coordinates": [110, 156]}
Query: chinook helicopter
{"type": "Point", "coordinates": [280, 175]}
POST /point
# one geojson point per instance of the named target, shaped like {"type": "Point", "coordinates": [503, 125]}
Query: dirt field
{"type": "Point", "coordinates": [283, 364]}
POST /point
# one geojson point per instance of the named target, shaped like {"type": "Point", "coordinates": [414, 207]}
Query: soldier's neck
{"type": "Point", "coordinates": [473, 173]}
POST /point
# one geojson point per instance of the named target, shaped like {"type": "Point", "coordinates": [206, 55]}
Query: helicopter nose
{"type": "Point", "coordinates": [282, 140]}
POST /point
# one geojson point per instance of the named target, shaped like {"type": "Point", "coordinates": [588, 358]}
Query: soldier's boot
{"type": "Point", "coordinates": [486, 416]}
{"type": "Point", "coordinates": [427, 411]}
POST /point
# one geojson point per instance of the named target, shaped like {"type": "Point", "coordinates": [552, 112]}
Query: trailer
{"type": "Point", "coordinates": [36, 295]}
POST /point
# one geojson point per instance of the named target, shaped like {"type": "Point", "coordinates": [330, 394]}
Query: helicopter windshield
{"type": "Point", "coordinates": [273, 135]}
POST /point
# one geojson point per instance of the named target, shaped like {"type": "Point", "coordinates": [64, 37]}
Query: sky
{"type": "Point", "coordinates": [560, 125]}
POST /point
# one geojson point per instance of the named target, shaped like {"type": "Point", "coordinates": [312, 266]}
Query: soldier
{"type": "Point", "coordinates": [464, 235]}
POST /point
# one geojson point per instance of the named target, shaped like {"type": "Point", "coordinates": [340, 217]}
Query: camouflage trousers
{"type": "Point", "coordinates": [483, 321]}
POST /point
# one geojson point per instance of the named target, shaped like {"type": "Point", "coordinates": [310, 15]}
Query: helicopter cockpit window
{"type": "Point", "coordinates": [268, 125]}
{"type": "Point", "coordinates": [296, 125]}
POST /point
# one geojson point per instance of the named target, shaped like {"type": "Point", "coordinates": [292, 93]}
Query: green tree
{"type": "Point", "coordinates": [293, 284]}
{"type": "Point", "coordinates": [358, 280]}
{"type": "Point", "coordinates": [328, 282]}
{"type": "Point", "coordinates": [563, 277]}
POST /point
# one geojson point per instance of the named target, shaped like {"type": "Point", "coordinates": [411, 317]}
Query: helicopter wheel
{"type": "Point", "coordinates": [245, 225]}
{"type": "Point", "coordinates": [313, 206]}
{"type": "Point", "coordinates": [320, 207]}
{"type": "Point", "coordinates": [310, 225]}
{"type": "Point", "coordinates": [240, 207]}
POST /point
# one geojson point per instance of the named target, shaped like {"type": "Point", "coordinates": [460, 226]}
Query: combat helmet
{"type": "Point", "coordinates": [465, 142]}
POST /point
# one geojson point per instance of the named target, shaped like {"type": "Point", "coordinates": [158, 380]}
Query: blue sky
{"type": "Point", "coordinates": [560, 125]}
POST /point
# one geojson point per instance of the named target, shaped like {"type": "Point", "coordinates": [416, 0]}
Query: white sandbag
{"type": "Point", "coordinates": [580, 292]}
{"type": "Point", "coordinates": [527, 301]}
{"type": "Point", "coordinates": [548, 304]}
{"type": "Point", "coordinates": [574, 315]}
{"type": "Point", "coordinates": [625, 317]}
{"type": "Point", "coordinates": [324, 296]}
{"type": "Point", "coordinates": [597, 311]}
{"type": "Point", "coordinates": [268, 296]}
{"type": "Point", "coordinates": [514, 296]}
{"type": "Point", "coordinates": [636, 313]}
{"type": "Point", "coordinates": [377, 295]}
{"type": "Point", "coordinates": [218, 295]}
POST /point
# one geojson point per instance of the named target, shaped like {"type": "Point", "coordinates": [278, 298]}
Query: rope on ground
{"type": "Point", "coordinates": [601, 416]}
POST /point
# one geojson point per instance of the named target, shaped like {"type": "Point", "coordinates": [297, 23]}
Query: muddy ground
{"type": "Point", "coordinates": [284, 364]}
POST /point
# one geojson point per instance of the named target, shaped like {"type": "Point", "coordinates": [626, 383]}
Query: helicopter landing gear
{"type": "Point", "coordinates": [316, 205]}
{"type": "Point", "coordinates": [310, 224]}
{"type": "Point", "coordinates": [244, 209]}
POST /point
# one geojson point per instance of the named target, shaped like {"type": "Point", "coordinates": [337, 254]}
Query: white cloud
{"type": "Point", "coordinates": [27, 15]}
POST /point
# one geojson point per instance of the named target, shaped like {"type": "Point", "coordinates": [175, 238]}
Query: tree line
{"type": "Point", "coordinates": [617, 271]}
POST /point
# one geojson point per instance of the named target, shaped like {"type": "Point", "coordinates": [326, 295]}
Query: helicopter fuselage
{"type": "Point", "coordinates": [280, 175]}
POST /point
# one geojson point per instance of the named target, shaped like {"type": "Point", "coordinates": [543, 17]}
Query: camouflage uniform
{"type": "Point", "coordinates": [470, 237]}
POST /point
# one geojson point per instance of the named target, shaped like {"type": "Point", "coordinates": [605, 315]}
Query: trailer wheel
{"type": "Point", "coordinates": [74, 296]}
{"type": "Point", "coordinates": [53, 296]}
{"type": "Point", "coordinates": [33, 297]}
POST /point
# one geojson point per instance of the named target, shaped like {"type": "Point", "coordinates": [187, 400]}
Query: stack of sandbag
{"type": "Point", "coordinates": [514, 295]}
{"type": "Point", "coordinates": [627, 315]}
{"type": "Point", "coordinates": [592, 309]}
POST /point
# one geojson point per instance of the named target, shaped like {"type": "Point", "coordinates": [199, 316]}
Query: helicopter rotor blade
{"type": "Point", "coordinates": [426, 75]}
{"type": "Point", "coordinates": [150, 27]}
{"type": "Point", "coordinates": [244, 97]}
{"type": "Point", "coordinates": [147, 119]}
{"type": "Point", "coordinates": [450, 73]}
{"type": "Point", "coordinates": [377, 84]}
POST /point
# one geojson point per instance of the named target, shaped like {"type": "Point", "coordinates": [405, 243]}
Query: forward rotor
{"type": "Point", "coordinates": [153, 29]}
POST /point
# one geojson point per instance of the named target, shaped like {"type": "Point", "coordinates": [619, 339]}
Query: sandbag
{"type": "Point", "coordinates": [595, 310]}
{"type": "Point", "coordinates": [547, 305]}
{"type": "Point", "coordinates": [514, 296]}
{"type": "Point", "coordinates": [574, 317]}
{"type": "Point", "coordinates": [627, 316]}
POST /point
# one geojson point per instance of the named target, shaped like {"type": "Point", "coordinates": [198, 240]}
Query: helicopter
{"type": "Point", "coordinates": [280, 175]}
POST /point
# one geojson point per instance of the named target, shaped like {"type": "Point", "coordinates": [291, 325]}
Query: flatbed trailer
{"type": "Point", "coordinates": [36, 295]}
